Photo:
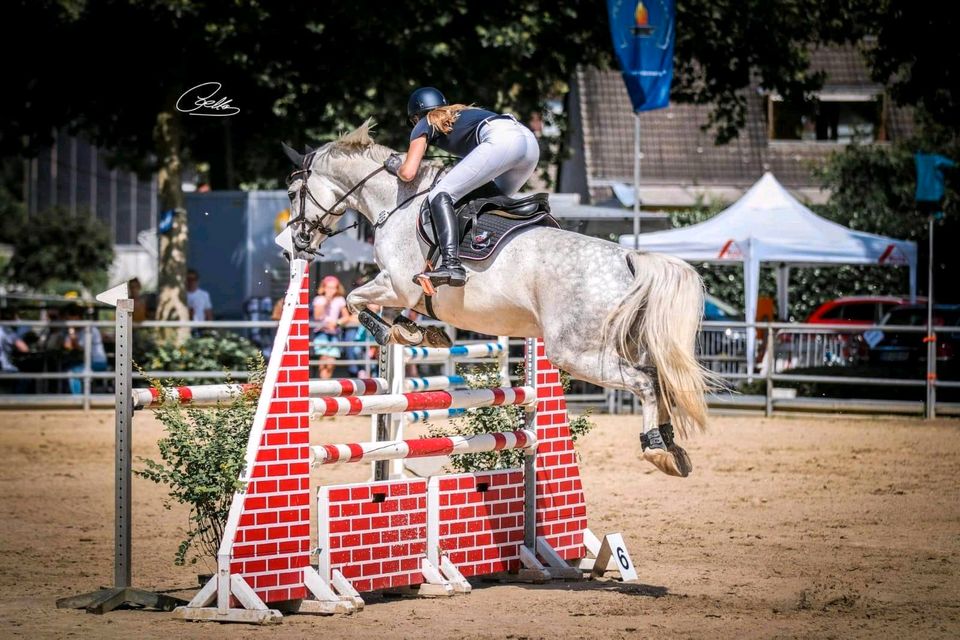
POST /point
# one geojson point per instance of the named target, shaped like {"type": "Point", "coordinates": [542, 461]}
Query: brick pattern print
{"type": "Point", "coordinates": [376, 532]}
{"type": "Point", "coordinates": [272, 541]}
{"type": "Point", "coordinates": [481, 521]}
{"type": "Point", "coordinates": [561, 506]}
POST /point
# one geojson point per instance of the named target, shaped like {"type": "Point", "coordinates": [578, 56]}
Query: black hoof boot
{"type": "Point", "coordinates": [661, 451]}
{"type": "Point", "coordinates": [376, 325]}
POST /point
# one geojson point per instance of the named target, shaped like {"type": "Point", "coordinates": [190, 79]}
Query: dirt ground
{"type": "Point", "coordinates": [813, 527]}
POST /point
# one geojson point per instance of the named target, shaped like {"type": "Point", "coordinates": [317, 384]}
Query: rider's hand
{"type": "Point", "coordinates": [392, 163]}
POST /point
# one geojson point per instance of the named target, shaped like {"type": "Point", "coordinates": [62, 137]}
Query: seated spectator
{"type": "Point", "coordinates": [74, 344]}
{"type": "Point", "coordinates": [10, 344]}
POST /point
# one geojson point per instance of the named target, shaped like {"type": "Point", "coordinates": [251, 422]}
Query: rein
{"type": "Point", "coordinates": [308, 227]}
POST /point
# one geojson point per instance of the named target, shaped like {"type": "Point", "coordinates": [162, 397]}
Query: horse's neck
{"type": "Point", "coordinates": [382, 195]}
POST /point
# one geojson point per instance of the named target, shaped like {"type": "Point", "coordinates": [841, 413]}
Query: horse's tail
{"type": "Point", "coordinates": [660, 316]}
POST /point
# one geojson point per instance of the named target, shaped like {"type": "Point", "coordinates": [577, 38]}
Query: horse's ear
{"type": "Point", "coordinates": [309, 149]}
{"type": "Point", "coordinates": [295, 158]}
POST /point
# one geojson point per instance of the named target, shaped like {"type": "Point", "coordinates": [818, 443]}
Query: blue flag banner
{"type": "Point", "coordinates": [930, 168]}
{"type": "Point", "coordinates": [643, 38]}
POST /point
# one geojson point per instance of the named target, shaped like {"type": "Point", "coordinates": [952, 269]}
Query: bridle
{"type": "Point", "coordinates": [306, 228]}
{"type": "Point", "coordinates": [303, 233]}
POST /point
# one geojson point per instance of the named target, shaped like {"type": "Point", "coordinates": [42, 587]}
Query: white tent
{"type": "Point", "coordinates": [768, 224]}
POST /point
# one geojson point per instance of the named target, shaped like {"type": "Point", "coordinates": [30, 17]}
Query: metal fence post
{"type": "Point", "coordinates": [768, 408]}
{"type": "Point", "coordinates": [930, 402]}
{"type": "Point", "coordinates": [87, 360]}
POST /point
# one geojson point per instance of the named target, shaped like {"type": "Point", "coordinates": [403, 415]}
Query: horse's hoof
{"type": "Point", "coordinates": [673, 461]}
{"type": "Point", "coordinates": [436, 337]}
{"type": "Point", "coordinates": [406, 334]}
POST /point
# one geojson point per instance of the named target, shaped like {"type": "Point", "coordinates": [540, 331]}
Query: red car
{"type": "Point", "coordinates": [857, 310]}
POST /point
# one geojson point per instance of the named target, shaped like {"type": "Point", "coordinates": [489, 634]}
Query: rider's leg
{"type": "Point", "coordinates": [495, 156]}
{"type": "Point", "coordinates": [450, 271]}
{"type": "Point", "coordinates": [511, 181]}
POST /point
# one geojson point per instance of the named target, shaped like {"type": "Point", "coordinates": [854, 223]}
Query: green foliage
{"type": "Point", "coordinates": [201, 459]}
{"type": "Point", "coordinates": [210, 351]}
{"type": "Point", "coordinates": [55, 247]}
{"type": "Point", "coordinates": [915, 53]}
{"type": "Point", "coordinates": [496, 419]}
{"type": "Point", "coordinates": [722, 45]}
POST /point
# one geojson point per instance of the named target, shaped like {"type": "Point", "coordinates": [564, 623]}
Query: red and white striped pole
{"type": "Point", "coordinates": [422, 448]}
{"type": "Point", "coordinates": [211, 394]}
{"type": "Point", "coordinates": [422, 401]}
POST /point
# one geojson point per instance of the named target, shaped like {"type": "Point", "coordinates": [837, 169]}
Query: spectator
{"type": "Point", "coordinates": [330, 309]}
{"type": "Point", "coordinates": [197, 299]}
{"type": "Point", "coordinates": [74, 344]}
{"type": "Point", "coordinates": [10, 343]}
{"type": "Point", "coordinates": [139, 304]}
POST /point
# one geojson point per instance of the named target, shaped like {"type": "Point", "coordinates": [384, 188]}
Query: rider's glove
{"type": "Point", "coordinates": [392, 163]}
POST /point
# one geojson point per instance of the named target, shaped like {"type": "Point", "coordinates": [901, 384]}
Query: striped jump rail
{"type": "Point", "coordinates": [437, 414]}
{"type": "Point", "coordinates": [422, 401]}
{"type": "Point", "coordinates": [441, 354]}
{"type": "Point", "coordinates": [211, 394]}
{"type": "Point", "coordinates": [422, 448]}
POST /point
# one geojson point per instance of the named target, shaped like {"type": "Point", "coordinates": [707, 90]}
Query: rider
{"type": "Point", "coordinates": [493, 147]}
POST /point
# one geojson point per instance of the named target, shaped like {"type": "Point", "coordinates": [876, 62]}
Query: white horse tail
{"type": "Point", "coordinates": [660, 317]}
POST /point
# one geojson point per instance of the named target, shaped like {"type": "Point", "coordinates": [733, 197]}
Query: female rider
{"type": "Point", "coordinates": [493, 147]}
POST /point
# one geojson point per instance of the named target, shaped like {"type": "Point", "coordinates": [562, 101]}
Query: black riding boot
{"type": "Point", "coordinates": [444, 218]}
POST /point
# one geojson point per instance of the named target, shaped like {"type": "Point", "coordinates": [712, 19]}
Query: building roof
{"type": "Point", "coordinates": [680, 162]}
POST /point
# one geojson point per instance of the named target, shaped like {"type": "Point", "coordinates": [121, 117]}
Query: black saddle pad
{"type": "Point", "coordinates": [482, 233]}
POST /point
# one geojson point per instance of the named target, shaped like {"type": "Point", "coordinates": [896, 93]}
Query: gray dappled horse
{"type": "Point", "coordinates": [617, 318]}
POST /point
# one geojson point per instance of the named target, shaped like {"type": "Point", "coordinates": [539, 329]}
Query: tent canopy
{"type": "Point", "coordinates": [768, 224]}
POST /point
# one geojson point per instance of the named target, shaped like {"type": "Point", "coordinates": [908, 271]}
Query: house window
{"type": "Point", "coordinates": [839, 118]}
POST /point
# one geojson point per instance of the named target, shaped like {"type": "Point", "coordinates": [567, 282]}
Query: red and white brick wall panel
{"type": "Point", "coordinates": [480, 520]}
{"type": "Point", "coordinates": [561, 506]}
{"type": "Point", "coordinates": [272, 541]}
{"type": "Point", "coordinates": [375, 533]}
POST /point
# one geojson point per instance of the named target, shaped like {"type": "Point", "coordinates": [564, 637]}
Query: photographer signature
{"type": "Point", "coordinates": [201, 100]}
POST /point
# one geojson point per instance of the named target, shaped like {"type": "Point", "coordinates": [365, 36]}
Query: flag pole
{"type": "Point", "coordinates": [931, 395]}
{"type": "Point", "coordinates": [636, 179]}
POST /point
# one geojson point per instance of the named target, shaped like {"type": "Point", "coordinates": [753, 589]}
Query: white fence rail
{"type": "Point", "coordinates": [782, 348]}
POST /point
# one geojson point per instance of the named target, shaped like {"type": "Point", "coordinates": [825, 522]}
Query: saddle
{"type": "Point", "coordinates": [487, 218]}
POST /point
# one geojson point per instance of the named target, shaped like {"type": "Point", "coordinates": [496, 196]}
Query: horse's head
{"type": "Point", "coordinates": [318, 197]}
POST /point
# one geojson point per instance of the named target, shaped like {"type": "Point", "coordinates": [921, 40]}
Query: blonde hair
{"type": "Point", "coordinates": [442, 118]}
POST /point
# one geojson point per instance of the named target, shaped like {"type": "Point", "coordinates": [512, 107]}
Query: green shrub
{"type": "Point", "coordinates": [496, 419]}
{"type": "Point", "coordinates": [55, 249]}
{"type": "Point", "coordinates": [201, 458]}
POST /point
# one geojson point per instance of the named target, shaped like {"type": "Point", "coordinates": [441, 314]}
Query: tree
{"type": "Point", "coordinates": [723, 45]}
{"type": "Point", "coordinates": [915, 55]}
{"type": "Point", "coordinates": [56, 247]}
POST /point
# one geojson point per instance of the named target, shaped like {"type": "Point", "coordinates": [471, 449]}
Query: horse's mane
{"type": "Point", "coordinates": [360, 143]}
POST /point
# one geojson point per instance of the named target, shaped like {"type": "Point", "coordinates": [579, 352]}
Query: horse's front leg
{"type": "Point", "coordinates": [380, 292]}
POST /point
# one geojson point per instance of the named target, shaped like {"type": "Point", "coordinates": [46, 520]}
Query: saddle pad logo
{"type": "Point", "coordinates": [481, 240]}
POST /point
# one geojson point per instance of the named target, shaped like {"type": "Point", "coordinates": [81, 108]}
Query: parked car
{"type": "Point", "coordinates": [857, 310]}
{"type": "Point", "coordinates": [909, 348]}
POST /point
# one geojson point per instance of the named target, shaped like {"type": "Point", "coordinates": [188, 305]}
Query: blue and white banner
{"type": "Point", "coordinates": [643, 35]}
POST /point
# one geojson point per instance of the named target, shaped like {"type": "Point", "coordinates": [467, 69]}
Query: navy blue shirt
{"type": "Point", "coordinates": [462, 138]}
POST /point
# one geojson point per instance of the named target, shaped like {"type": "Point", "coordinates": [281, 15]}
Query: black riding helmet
{"type": "Point", "coordinates": [424, 100]}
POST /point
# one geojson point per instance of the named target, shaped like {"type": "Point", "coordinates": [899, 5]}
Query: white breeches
{"type": "Point", "coordinates": [508, 154]}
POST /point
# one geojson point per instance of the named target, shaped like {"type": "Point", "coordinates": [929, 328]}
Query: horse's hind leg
{"type": "Point", "coordinates": [656, 440]}
{"type": "Point", "coordinates": [606, 369]}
